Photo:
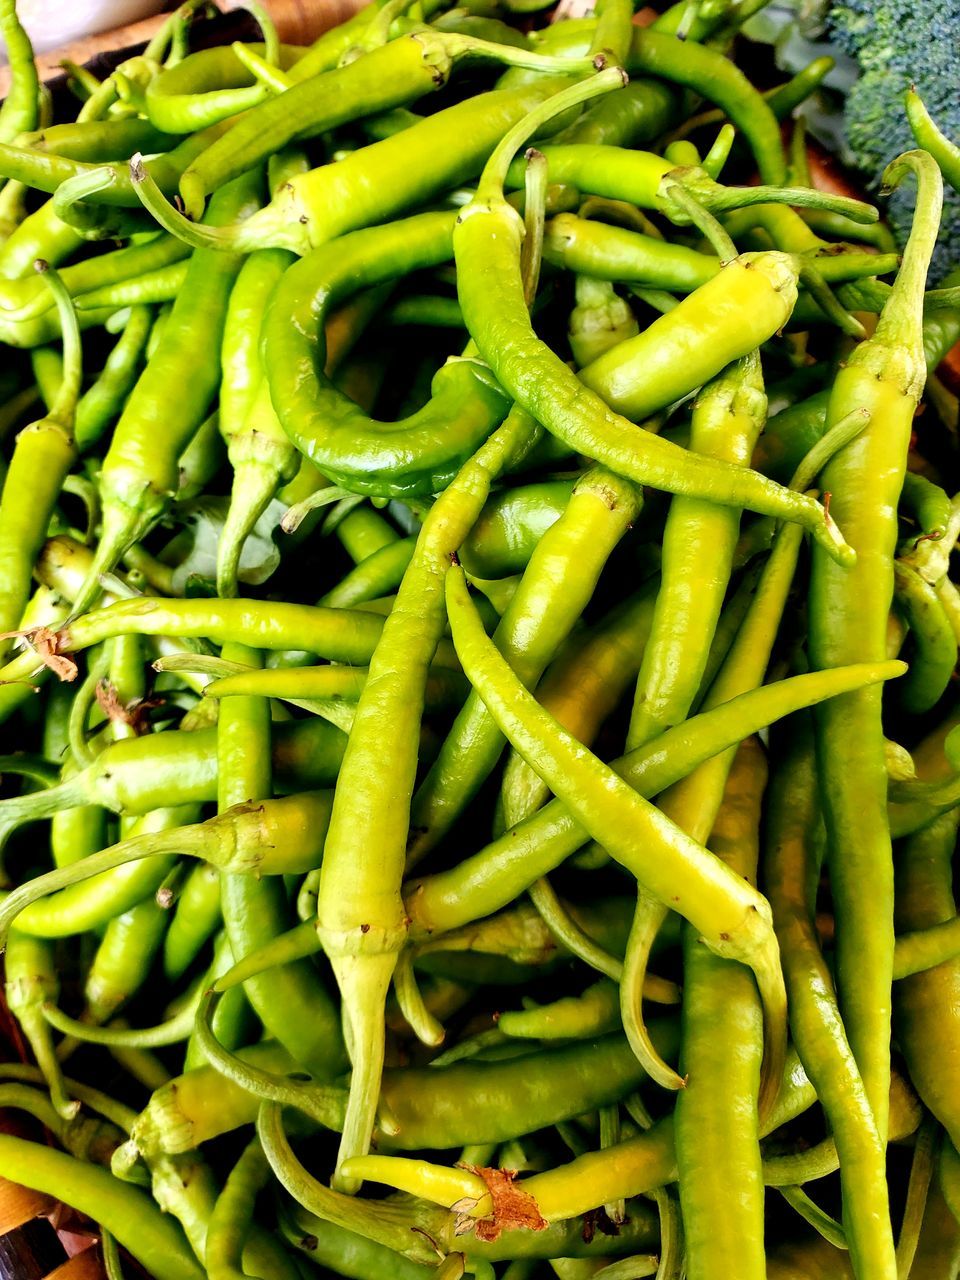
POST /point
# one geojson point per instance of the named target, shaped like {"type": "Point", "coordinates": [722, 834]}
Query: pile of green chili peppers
{"type": "Point", "coordinates": [477, 627]}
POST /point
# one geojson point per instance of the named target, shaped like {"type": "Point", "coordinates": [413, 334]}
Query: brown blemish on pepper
{"type": "Point", "coordinates": [513, 1208]}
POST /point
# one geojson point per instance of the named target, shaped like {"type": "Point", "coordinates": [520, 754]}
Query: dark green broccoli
{"type": "Point", "coordinates": [897, 43]}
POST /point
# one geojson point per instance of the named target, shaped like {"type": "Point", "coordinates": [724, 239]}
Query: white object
{"type": "Point", "coordinates": [53, 23]}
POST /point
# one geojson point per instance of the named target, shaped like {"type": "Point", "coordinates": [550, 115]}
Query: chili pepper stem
{"type": "Point", "coordinates": [364, 981]}
{"type": "Point", "coordinates": [254, 485]}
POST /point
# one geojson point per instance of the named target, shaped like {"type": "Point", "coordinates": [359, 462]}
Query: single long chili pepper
{"type": "Point", "coordinates": [934, 645]}
{"type": "Point", "coordinates": [146, 1233]}
{"type": "Point", "coordinates": [291, 1002]}
{"type": "Point", "coordinates": [637, 115]}
{"type": "Point", "coordinates": [444, 688]}
{"type": "Point", "coordinates": [340, 635]}
{"type": "Point", "coordinates": [277, 837]}
{"type": "Point", "coordinates": [716, 1129]}
{"type": "Point", "coordinates": [377, 575]}
{"type": "Point", "coordinates": [70, 180]}
{"type": "Point", "coordinates": [335, 1247]}
{"type": "Point", "coordinates": [486, 245]}
{"type": "Point", "coordinates": [556, 586]}
{"type": "Point", "coordinates": [232, 1213]}
{"type": "Point", "coordinates": [849, 613]}
{"type": "Point", "coordinates": [727, 419]}
{"type": "Point", "coordinates": [718, 79]}
{"type": "Point", "coordinates": [360, 912]}
{"type": "Point", "coordinates": [392, 76]}
{"type": "Point", "coordinates": [620, 254]}
{"type": "Point", "coordinates": [581, 688]}
{"type": "Point", "coordinates": [498, 874]}
{"type": "Point", "coordinates": [791, 867]}
{"type": "Point", "coordinates": [733, 919]}
{"type": "Point", "coordinates": [19, 113]}
{"type": "Point", "coordinates": [140, 469]}
{"type": "Point", "coordinates": [43, 455]}
{"type": "Point", "coordinates": [40, 235]}
{"type": "Point", "coordinates": [112, 139]}
{"type": "Point", "coordinates": [924, 1008]}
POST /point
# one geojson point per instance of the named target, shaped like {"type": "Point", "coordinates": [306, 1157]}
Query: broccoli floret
{"type": "Point", "coordinates": [897, 44]}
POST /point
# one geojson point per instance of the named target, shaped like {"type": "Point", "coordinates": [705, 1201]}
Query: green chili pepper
{"type": "Point", "coordinates": [556, 586]}
{"type": "Point", "coordinates": [42, 457]}
{"type": "Point", "coordinates": [934, 645]}
{"type": "Point", "coordinates": [792, 865]}
{"type": "Point", "coordinates": [274, 837]}
{"type": "Point", "coordinates": [716, 1127]}
{"type": "Point", "coordinates": [848, 614]}
{"type": "Point", "coordinates": [140, 1227]}
{"type": "Point", "coordinates": [486, 245]}
{"type": "Point", "coordinates": [140, 469]}
{"type": "Point", "coordinates": [731, 917]}
{"type": "Point", "coordinates": [18, 114]}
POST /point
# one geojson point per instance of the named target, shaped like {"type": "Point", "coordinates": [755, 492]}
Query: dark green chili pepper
{"type": "Point", "coordinates": [103, 402]}
{"type": "Point", "coordinates": [291, 1002]}
{"type": "Point", "coordinates": [194, 921]}
{"type": "Point", "coordinates": [417, 455]}
{"type": "Point", "coordinates": [927, 503]}
{"type": "Point", "coordinates": [933, 642]}
{"type": "Point", "coordinates": [510, 525]}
